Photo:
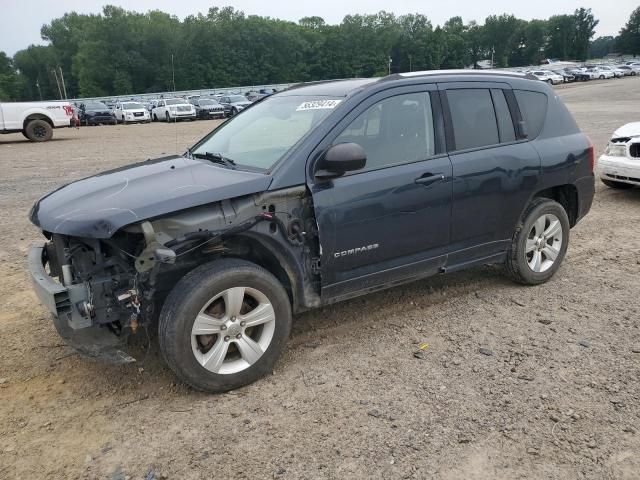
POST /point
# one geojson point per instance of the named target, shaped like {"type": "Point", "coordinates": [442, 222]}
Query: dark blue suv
{"type": "Point", "coordinates": [310, 196]}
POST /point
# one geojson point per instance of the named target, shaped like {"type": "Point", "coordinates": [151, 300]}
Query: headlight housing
{"type": "Point", "coordinates": [616, 150]}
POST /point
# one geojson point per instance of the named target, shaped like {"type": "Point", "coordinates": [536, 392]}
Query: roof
{"type": "Point", "coordinates": [330, 88]}
{"type": "Point", "coordinates": [342, 88]}
{"type": "Point", "coordinates": [462, 72]}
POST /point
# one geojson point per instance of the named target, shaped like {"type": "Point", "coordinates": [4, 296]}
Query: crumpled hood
{"type": "Point", "coordinates": [99, 206]}
{"type": "Point", "coordinates": [628, 130]}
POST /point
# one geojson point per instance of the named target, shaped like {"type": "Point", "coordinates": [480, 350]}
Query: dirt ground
{"type": "Point", "coordinates": [558, 396]}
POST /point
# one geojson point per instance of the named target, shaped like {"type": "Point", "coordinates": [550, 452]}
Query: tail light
{"type": "Point", "coordinates": [592, 155]}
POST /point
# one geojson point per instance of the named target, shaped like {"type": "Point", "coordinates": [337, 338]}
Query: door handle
{"type": "Point", "coordinates": [430, 178]}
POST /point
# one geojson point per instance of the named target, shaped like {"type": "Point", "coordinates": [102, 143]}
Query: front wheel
{"type": "Point", "coordinates": [617, 185]}
{"type": "Point", "coordinates": [224, 325]}
{"type": "Point", "coordinates": [539, 243]}
{"type": "Point", "coordinates": [38, 131]}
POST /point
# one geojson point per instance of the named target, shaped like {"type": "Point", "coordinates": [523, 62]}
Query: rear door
{"type": "Point", "coordinates": [388, 222]}
{"type": "Point", "coordinates": [495, 170]}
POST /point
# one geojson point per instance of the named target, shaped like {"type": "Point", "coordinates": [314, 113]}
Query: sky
{"type": "Point", "coordinates": [21, 21]}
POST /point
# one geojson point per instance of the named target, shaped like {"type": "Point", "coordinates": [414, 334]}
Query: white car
{"type": "Point", "coordinates": [631, 70]}
{"type": "Point", "coordinates": [547, 76]}
{"type": "Point", "coordinates": [131, 112]}
{"type": "Point", "coordinates": [172, 110]}
{"type": "Point", "coordinates": [601, 72]}
{"type": "Point", "coordinates": [619, 165]}
{"type": "Point", "coordinates": [35, 120]}
{"type": "Point", "coordinates": [617, 73]}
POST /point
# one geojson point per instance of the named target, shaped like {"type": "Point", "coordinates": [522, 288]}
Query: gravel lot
{"type": "Point", "coordinates": [556, 393]}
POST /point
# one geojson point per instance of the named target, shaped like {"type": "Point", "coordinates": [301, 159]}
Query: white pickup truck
{"type": "Point", "coordinates": [35, 120]}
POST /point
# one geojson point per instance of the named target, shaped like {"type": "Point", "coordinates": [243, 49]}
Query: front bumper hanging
{"type": "Point", "coordinates": [74, 326]}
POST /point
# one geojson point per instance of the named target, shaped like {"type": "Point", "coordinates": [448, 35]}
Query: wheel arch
{"type": "Point", "coordinates": [567, 196]}
{"type": "Point", "coordinates": [36, 116]}
{"type": "Point", "coordinates": [281, 261]}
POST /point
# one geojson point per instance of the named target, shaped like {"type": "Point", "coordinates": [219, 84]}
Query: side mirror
{"type": "Point", "coordinates": [341, 158]}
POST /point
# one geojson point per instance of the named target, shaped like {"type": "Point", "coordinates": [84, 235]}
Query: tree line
{"type": "Point", "coordinates": [119, 52]}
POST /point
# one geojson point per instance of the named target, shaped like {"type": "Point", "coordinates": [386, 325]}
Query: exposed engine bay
{"type": "Point", "coordinates": [116, 286]}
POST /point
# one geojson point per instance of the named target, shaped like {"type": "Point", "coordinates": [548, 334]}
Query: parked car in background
{"type": "Point", "coordinates": [630, 70]}
{"type": "Point", "coordinates": [35, 120]}
{"type": "Point", "coordinates": [599, 73]}
{"type": "Point", "coordinates": [252, 96]}
{"type": "Point", "coordinates": [616, 73]}
{"type": "Point", "coordinates": [208, 108]}
{"type": "Point", "coordinates": [234, 104]}
{"type": "Point", "coordinates": [369, 193]}
{"type": "Point", "coordinates": [173, 109]}
{"type": "Point", "coordinates": [93, 112]}
{"type": "Point", "coordinates": [547, 76]}
{"type": "Point", "coordinates": [619, 165]}
{"type": "Point", "coordinates": [131, 112]}
{"type": "Point", "coordinates": [567, 76]}
{"type": "Point", "coordinates": [580, 75]}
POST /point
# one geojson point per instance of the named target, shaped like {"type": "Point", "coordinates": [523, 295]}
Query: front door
{"type": "Point", "coordinates": [390, 221]}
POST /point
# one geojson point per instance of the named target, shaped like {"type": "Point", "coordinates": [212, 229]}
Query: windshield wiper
{"type": "Point", "coordinates": [216, 158]}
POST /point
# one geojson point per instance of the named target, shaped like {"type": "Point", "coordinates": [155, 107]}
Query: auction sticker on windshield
{"type": "Point", "coordinates": [318, 105]}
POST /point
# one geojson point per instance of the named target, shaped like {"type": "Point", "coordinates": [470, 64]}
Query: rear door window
{"type": "Point", "coordinates": [533, 108]}
{"type": "Point", "coordinates": [505, 122]}
{"type": "Point", "coordinates": [473, 117]}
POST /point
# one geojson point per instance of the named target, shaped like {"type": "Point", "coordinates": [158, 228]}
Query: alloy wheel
{"type": "Point", "coordinates": [233, 330]}
{"type": "Point", "coordinates": [544, 242]}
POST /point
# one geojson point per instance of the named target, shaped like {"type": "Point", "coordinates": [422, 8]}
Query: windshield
{"type": "Point", "coordinates": [264, 133]}
{"type": "Point", "coordinates": [207, 102]}
{"type": "Point", "coordinates": [95, 106]}
{"type": "Point", "coordinates": [237, 98]}
{"type": "Point", "coordinates": [175, 101]}
{"type": "Point", "coordinates": [131, 106]}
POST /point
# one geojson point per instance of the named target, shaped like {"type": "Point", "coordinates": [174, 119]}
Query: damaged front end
{"type": "Point", "coordinates": [101, 290]}
{"type": "Point", "coordinates": [90, 292]}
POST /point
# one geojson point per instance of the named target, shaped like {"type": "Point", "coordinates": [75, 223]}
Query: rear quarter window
{"type": "Point", "coordinates": [533, 107]}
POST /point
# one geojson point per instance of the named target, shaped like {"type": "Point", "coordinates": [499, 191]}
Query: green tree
{"type": "Point", "coordinates": [585, 25]}
{"type": "Point", "coordinates": [562, 32]}
{"type": "Point", "coordinates": [10, 81]}
{"type": "Point", "coordinates": [630, 35]}
{"type": "Point", "coordinates": [501, 37]}
{"type": "Point", "coordinates": [602, 46]}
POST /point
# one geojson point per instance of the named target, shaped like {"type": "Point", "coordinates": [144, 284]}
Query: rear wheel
{"type": "Point", "coordinates": [38, 131]}
{"type": "Point", "coordinates": [539, 243]}
{"type": "Point", "coordinates": [224, 325]}
{"type": "Point", "coordinates": [601, 77]}
{"type": "Point", "coordinates": [617, 185]}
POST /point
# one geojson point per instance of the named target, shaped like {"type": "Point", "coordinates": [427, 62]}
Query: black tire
{"type": "Point", "coordinates": [617, 185]}
{"type": "Point", "coordinates": [550, 82]}
{"type": "Point", "coordinates": [186, 300]}
{"type": "Point", "coordinates": [234, 112]}
{"type": "Point", "coordinates": [516, 264]}
{"type": "Point", "coordinates": [155, 119]}
{"type": "Point", "coordinates": [601, 77]}
{"type": "Point", "coordinates": [38, 131]}
{"type": "Point", "coordinates": [633, 74]}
